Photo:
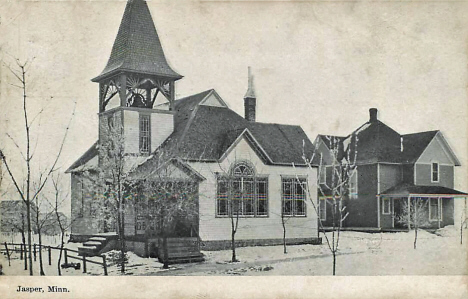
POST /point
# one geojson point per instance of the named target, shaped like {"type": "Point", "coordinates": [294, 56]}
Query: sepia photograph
{"type": "Point", "coordinates": [308, 142]}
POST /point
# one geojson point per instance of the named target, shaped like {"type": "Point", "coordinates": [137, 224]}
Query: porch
{"type": "Point", "coordinates": [406, 206]}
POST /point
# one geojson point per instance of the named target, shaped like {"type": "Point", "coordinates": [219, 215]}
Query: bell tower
{"type": "Point", "coordinates": [135, 75]}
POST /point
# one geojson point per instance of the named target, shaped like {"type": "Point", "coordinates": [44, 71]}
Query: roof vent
{"type": "Point", "coordinates": [372, 115]}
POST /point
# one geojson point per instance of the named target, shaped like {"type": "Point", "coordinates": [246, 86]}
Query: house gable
{"type": "Point", "coordinates": [438, 151]}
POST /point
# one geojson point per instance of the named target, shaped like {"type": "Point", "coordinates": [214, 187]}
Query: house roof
{"type": "Point", "coordinates": [85, 158]}
{"type": "Point", "coordinates": [206, 132]}
{"type": "Point", "coordinates": [137, 47]}
{"type": "Point", "coordinates": [415, 144]}
{"type": "Point", "coordinates": [410, 189]}
{"type": "Point", "coordinates": [378, 143]}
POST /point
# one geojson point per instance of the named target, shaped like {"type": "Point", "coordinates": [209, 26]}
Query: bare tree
{"type": "Point", "coordinates": [56, 203]}
{"type": "Point", "coordinates": [27, 194]}
{"type": "Point", "coordinates": [414, 215]}
{"type": "Point", "coordinates": [464, 221]}
{"type": "Point", "coordinates": [337, 186]}
{"type": "Point", "coordinates": [284, 220]}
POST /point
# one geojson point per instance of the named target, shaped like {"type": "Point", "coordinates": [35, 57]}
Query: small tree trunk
{"type": "Point", "coordinates": [25, 254]}
{"type": "Point", "coordinates": [334, 262]}
{"type": "Point", "coordinates": [233, 247]}
{"type": "Point", "coordinates": [41, 265]}
{"type": "Point", "coordinates": [166, 252]}
{"type": "Point", "coordinates": [284, 235]}
{"type": "Point", "coordinates": [59, 269]}
{"type": "Point", "coordinates": [415, 236]}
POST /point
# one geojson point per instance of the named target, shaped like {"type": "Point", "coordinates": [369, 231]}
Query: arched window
{"type": "Point", "coordinates": [242, 192]}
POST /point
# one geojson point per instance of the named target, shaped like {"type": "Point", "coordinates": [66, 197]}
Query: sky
{"type": "Point", "coordinates": [320, 65]}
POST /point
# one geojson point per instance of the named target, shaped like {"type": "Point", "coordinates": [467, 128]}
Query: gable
{"type": "Point", "coordinates": [242, 149]}
{"type": "Point", "coordinates": [214, 100]}
{"type": "Point", "coordinates": [324, 152]}
{"type": "Point", "coordinates": [438, 151]}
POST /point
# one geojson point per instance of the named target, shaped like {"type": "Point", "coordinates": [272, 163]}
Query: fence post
{"type": "Point", "coordinates": [66, 256]}
{"type": "Point", "coordinates": [34, 252]}
{"type": "Point", "coordinates": [84, 263]}
{"type": "Point", "coordinates": [104, 265]}
{"type": "Point", "coordinates": [50, 256]}
{"type": "Point", "coordinates": [8, 254]}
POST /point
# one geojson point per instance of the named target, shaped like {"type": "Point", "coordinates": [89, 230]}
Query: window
{"type": "Point", "coordinates": [435, 172]}
{"type": "Point", "coordinates": [81, 196]}
{"type": "Point", "coordinates": [242, 193]}
{"type": "Point", "coordinates": [145, 136]}
{"type": "Point", "coordinates": [435, 211]}
{"type": "Point", "coordinates": [353, 184]}
{"type": "Point", "coordinates": [294, 195]}
{"type": "Point", "coordinates": [386, 206]}
{"type": "Point", "coordinates": [323, 209]}
{"type": "Point", "coordinates": [323, 175]}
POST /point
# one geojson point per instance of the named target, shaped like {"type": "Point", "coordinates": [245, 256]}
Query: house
{"type": "Point", "coordinates": [224, 157]}
{"type": "Point", "coordinates": [391, 171]}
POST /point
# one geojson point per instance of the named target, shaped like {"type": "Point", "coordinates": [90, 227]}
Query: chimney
{"type": "Point", "coordinates": [372, 115]}
{"type": "Point", "coordinates": [250, 100]}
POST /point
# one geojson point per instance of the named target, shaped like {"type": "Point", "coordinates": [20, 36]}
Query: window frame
{"type": "Point", "coordinates": [435, 171]}
{"type": "Point", "coordinates": [384, 212]}
{"type": "Point", "coordinates": [294, 181]}
{"type": "Point", "coordinates": [142, 117]}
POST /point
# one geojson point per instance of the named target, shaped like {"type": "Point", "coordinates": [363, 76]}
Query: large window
{"type": "Point", "coordinates": [145, 134]}
{"type": "Point", "coordinates": [242, 193]}
{"type": "Point", "coordinates": [435, 172]}
{"type": "Point", "coordinates": [294, 196]}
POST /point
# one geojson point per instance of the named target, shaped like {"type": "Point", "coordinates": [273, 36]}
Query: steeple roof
{"type": "Point", "coordinates": [137, 47]}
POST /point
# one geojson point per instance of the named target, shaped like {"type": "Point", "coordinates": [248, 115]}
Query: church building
{"type": "Point", "coordinates": [226, 157]}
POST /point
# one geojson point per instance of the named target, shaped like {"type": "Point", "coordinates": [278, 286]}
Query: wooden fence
{"type": "Point", "coordinates": [23, 249]}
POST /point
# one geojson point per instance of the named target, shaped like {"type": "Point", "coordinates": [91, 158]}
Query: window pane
{"type": "Point", "coordinates": [435, 172]}
{"type": "Point", "coordinates": [222, 201]}
{"type": "Point", "coordinates": [300, 208]}
{"type": "Point", "coordinates": [262, 198]}
{"type": "Point", "coordinates": [287, 207]}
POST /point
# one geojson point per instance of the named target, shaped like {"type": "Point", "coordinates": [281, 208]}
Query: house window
{"type": "Point", "coordinates": [323, 175]}
{"type": "Point", "coordinates": [386, 206]}
{"type": "Point", "coordinates": [323, 209]}
{"type": "Point", "coordinates": [242, 194]}
{"type": "Point", "coordinates": [353, 184]}
{"type": "Point", "coordinates": [435, 210]}
{"type": "Point", "coordinates": [81, 196]}
{"type": "Point", "coordinates": [145, 136]}
{"type": "Point", "coordinates": [435, 172]}
{"type": "Point", "coordinates": [294, 196]}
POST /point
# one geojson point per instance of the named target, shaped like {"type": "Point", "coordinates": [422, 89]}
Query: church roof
{"type": "Point", "coordinates": [203, 132]}
{"type": "Point", "coordinates": [206, 133]}
{"type": "Point", "coordinates": [137, 47]}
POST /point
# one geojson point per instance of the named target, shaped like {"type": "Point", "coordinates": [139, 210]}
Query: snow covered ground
{"type": "Point", "coordinates": [360, 254]}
